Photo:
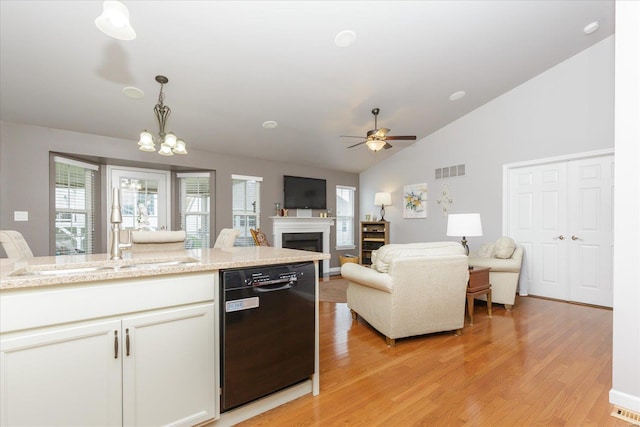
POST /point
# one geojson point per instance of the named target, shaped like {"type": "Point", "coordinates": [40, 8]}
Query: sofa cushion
{"type": "Point", "coordinates": [486, 250]}
{"type": "Point", "coordinates": [504, 248]}
{"type": "Point", "coordinates": [381, 258]}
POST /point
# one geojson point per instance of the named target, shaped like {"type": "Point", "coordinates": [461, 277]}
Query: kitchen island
{"type": "Point", "coordinates": [87, 340]}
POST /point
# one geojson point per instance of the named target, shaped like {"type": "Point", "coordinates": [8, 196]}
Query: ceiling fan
{"type": "Point", "coordinates": [376, 139]}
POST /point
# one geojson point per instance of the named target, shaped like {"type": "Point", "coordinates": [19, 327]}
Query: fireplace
{"type": "Point", "coordinates": [305, 242]}
{"type": "Point", "coordinates": [302, 228]}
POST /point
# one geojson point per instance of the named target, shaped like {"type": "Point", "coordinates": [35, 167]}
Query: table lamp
{"type": "Point", "coordinates": [382, 199]}
{"type": "Point", "coordinates": [464, 225]}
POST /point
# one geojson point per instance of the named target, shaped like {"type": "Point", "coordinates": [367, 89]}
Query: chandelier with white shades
{"type": "Point", "coordinates": [169, 143]}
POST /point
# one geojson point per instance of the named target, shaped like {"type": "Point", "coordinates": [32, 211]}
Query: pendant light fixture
{"type": "Point", "coordinates": [114, 21]}
{"type": "Point", "coordinates": [169, 143]}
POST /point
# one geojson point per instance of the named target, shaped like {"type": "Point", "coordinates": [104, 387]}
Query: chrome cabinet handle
{"type": "Point", "coordinates": [574, 237]}
{"type": "Point", "coordinates": [561, 237]}
{"type": "Point", "coordinates": [115, 345]}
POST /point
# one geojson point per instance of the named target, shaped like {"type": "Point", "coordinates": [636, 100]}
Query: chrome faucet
{"type": "Point", "coordinates": [116, 219]}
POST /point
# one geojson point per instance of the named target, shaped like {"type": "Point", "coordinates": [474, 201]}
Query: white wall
{"type": "Point", "coordinates": [625, 391]}
{"type": "Point", "coordinates": [567, 109]}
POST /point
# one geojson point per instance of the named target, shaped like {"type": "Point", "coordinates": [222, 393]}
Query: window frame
{"type": "Point", "coordinates": [91, 209]}
{"type": "Point", "coordinates": [340, 244]}
{"type": "Point", "coordinates": [245, 238]}
{"type": "Point", "coordinates": [204, 215]}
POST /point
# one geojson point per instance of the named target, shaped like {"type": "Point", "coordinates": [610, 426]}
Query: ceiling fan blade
{"type": "Point", "coordinates": [351, 136]}
{"type": "Point", "coordinates": [405, 137]}
{"type": "Point", "coordinates": [355, 145]}
{"type": "Point", "coordinates": [387, 146]}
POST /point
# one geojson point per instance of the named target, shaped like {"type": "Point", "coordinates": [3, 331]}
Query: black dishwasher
{"type": "Point", "coordinates": [267, 331]}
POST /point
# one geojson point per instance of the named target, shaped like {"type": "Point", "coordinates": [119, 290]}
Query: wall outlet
{"type": "Point", "coordinates": [21, 216]}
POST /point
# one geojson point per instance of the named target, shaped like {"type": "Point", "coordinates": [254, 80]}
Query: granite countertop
{"type": "Point", "coordinates": [69, 269]}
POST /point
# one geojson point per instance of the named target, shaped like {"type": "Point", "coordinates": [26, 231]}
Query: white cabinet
{"type": "Point", "coordinates": [168, 367]}
{"type": "Point", "coordinates": [143, 366]}
{"type": "Point", "coordinates": [67, 376]}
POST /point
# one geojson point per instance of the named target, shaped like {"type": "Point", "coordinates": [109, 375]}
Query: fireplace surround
{"type": "Point", "coordinates": [303, 227]}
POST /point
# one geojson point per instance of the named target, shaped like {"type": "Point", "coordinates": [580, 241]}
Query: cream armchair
{"type": "Point", "coordinates": [504, 258]}
{"type": "Point", "coordinates": [410, 289]}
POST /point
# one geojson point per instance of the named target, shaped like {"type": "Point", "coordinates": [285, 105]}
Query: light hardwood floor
{"type": "Point", "coordinates": [546, 363]}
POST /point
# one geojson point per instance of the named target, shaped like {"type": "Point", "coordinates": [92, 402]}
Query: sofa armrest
{"type": "Point", "coordinates": [367, 276]}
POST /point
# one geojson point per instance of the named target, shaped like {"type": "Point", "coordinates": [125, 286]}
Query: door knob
{"type": "Point", "coordinates": [561, 237]}
{"type": "Point", "coordinates": [574, 237]}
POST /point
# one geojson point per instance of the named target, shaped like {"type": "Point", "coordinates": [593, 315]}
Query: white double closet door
{"type": "Point", "coordinates": [561, 212]}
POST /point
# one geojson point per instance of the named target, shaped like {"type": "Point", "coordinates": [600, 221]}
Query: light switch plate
{"type": "Point", "coordinates": [20, 216]}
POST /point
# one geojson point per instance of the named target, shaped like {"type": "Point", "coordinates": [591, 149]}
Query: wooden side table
{"type": "Point", "coordinates": [478, 285]}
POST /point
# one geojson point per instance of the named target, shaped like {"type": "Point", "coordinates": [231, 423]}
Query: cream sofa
{"type": "Point", "coordinates": [504, 258]}
{"type": "Point", "coordinates": [410, 289]}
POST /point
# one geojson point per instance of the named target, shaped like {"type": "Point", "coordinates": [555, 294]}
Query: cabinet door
{"type": "Point", "coordinates": [169, 364]}
{"type": "Point", "coordinates": [67, 376]}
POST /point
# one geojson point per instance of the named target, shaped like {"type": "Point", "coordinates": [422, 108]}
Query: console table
{"type": "Point", "coordinates": [478, 285]}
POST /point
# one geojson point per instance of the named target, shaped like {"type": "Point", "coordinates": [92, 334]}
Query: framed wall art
{"type": "Point", "coordinates": [415, 201]}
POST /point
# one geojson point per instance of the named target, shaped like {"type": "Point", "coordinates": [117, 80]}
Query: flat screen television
{"type": "Point", "coordinates": [304, 193]}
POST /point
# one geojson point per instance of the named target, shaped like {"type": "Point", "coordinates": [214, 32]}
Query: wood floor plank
{"type": "Point", "coordinates": [546, 363]}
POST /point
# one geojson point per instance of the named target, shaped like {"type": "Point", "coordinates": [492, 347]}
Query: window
{"type": "Point", "coordinates": [195, 201]}
{"type": "Point", "coordinates": [246, 207]}
{"type": "Point", "coordinates": [75, 196]}
{"type": "Point", "coordinates": [345, 207]}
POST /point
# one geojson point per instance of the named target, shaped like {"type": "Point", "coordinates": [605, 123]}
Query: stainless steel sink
{"type": "Point", "coordinates": [106, 267]}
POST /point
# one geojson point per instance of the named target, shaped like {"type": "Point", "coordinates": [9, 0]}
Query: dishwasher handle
{"type": "Point", "coordinates": [268, 285]}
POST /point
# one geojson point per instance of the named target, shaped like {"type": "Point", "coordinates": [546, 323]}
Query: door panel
{"type": "Point", "coordinates": [562, 215]}
{"type": "Point", "coordinates": [591, 231]}
{"type": "Point", "coordinates": [536, 223]}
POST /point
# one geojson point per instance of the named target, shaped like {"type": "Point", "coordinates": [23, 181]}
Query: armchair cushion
{"type": "Point", "coordinates": [382, 258]}
{"type": "Point", "coordinates": [486, 250]}
{"type": "Point", "coordinates": [504, 247]}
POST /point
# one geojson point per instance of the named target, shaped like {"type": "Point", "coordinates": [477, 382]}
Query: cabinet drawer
{"type": "Point", "coordinates": [35, 307]}
{"type": "Point", "coordinates": [479, 278]}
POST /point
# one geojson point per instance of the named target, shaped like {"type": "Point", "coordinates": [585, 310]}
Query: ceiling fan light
{"type": "Point", "coordinates": [180, 148]}
{"type": "Point", "coordinates": [114, 21]}
{"type": "Point", "coordinates": [165, 150]}
{"type": "Point", "coordinates": [375, 144]}
{"type": "Point", "coordinates": [170, 139]}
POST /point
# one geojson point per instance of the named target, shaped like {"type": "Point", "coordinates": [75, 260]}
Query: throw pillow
{"type": "Point", "coordinates": [486, 250]}
{"type": "Point", "coordinates": [504, 248]}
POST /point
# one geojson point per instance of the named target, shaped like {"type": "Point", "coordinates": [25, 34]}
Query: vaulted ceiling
{"type": "Point", "coordinates": [233, 65]}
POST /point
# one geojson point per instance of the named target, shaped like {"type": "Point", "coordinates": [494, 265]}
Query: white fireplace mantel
{"type": "Point", "coordinates": [296, 224]}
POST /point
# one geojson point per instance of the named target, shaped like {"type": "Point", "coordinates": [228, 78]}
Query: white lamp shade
{"type": "Point", "coordinates": [181, 147]}
{"type": "Point", "coordinates": [464, 225]}
{"type": "Point", "coordinates": [375, 144]}
{"type": "Point", "coordinates": [114, 21]}
{"type": "Point", "coordinates": [383, 199]}
{"type": "Point", "coordinates": [145, 138]}
{"type": "Point", "coordinates": [165, 150]}
{"type": "Point", "coordinates": [170, 139]}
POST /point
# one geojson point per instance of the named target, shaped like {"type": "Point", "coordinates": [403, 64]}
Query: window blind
{"type": "Point", "coordinates": [245, 207]}
{"type": "Point", "coordinates": [75, 196]}
{"type": "Point", "coordinates": [195, 201]}
{"type": "Point", "coordinates": [345, 207]}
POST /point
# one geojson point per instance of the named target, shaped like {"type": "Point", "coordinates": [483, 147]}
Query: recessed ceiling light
{"type": "Point", "coordinates": [345, 38]}
{"type": "Point", "coordinates": [269, 124]}
{"type": "Point", "coordinates": [592, 28]}
{"type": "Point", "coordinates": [133, 92]}
{"type": "Point", "coordinates": [457, 95]}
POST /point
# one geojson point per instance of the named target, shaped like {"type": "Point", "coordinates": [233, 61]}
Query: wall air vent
{"type": "Point", "coordinates": [450, 171]}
